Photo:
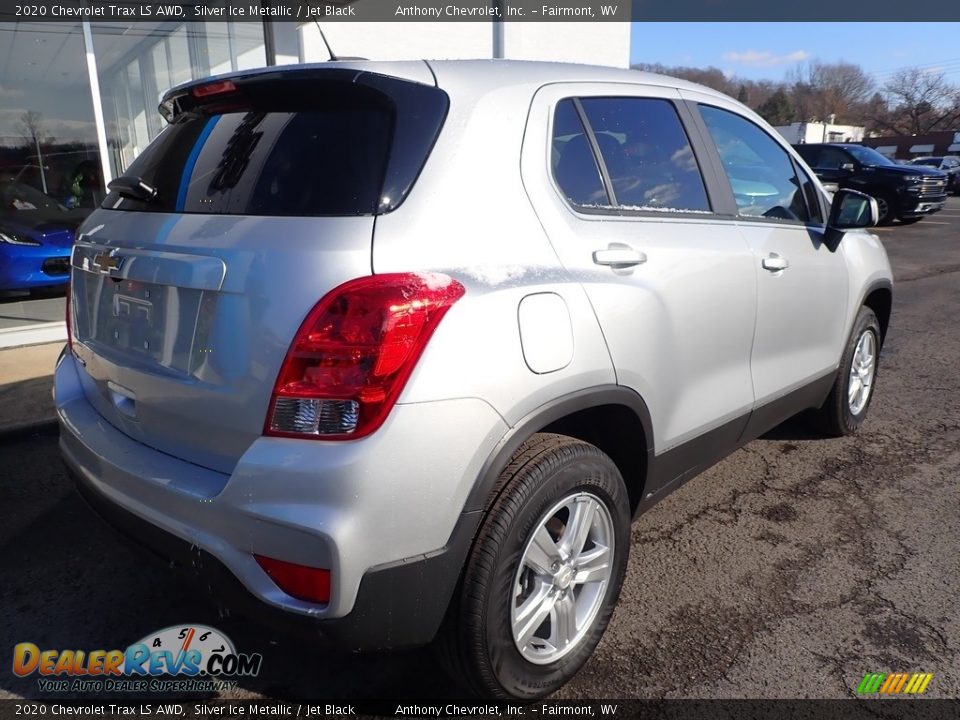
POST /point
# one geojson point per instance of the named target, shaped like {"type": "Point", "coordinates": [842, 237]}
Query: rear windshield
{"type": "Point", "coordinates": [297, 148]}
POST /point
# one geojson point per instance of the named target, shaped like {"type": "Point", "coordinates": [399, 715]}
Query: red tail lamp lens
{"type": "Point", "coordinates": [354, 353]}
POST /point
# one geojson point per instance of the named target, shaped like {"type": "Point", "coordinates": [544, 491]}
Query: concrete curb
{"type": "Point", "coordinates": [33, 334]}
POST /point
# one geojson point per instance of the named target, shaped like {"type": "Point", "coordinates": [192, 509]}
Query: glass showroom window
{"type": "Point", "coordinates": [136, 63]}
{"type": "Point", "coordinates": [48, 138]}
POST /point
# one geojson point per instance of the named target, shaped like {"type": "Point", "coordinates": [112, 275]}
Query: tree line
{"type": "Point", "coordinates": [913, 101]}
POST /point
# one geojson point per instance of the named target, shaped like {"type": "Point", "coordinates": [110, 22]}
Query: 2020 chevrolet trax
{"type": "Point", "coordinates": [396, 351]}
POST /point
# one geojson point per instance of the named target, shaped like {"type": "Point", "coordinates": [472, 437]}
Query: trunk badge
{"type": "Point", "coordinates": [107, 262]}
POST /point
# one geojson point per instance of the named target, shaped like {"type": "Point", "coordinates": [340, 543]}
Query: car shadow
{"type": "Point", "coordinates": [797, 429]}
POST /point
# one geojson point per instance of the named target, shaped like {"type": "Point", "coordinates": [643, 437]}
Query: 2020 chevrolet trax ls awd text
{"type": "Point", "coordinates": [396, 351]}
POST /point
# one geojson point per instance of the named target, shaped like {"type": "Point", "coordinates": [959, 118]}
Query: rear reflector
{"type": "Point", "coordinates": [299, 581]}
{"type": "Point", "coordinates": [354, 353]}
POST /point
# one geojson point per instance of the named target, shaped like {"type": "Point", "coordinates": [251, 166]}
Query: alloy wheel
{"type": "Point", "coordinates": [562, 578]}
{"type": "Point", "coordinates": [862, 370]}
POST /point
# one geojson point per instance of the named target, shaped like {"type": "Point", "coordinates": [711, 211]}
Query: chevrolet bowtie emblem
{"type": "Point", "coordinates": [107, 262]}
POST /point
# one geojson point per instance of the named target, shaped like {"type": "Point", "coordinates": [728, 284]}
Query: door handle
{"type": "Point", "coordinates": [619, 256]}
{"type": "Point", "coordinates": [774, 263]}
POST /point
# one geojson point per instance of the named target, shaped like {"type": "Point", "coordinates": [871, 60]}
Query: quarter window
{"type": "Point", "coordinates": [574, 165]}
{"type": "Point", "coordinates": [761, 173]}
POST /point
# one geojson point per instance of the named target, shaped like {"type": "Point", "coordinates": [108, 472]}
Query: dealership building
{"type": "Point", "coordinates": [79, 98]}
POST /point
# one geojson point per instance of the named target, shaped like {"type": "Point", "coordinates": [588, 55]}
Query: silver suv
{"type": "Point", "coordinates": [393, 352]}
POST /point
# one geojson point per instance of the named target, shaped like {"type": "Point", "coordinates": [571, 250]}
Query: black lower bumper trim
{"type": "Point", "coordinates": [397, 605]}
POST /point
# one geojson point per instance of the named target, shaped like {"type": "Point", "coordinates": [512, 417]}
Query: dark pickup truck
{"type": "Point", "coordinates": [903, 192]}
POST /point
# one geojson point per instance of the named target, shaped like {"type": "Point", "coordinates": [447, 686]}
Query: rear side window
{"type": "Point", "coordinates": [646, 154]}
{"type": "Point", "coordinates": [574, 164]}
{"type": "Point", "coordinates": [290, 148]}
{"type": "Point", "coordinates": [832, 158]}
{"type": "Point", "coordinates": [809, 153]}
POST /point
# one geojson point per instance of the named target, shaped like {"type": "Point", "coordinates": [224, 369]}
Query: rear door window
{"type": "Point", "coordinates": [633, 155]}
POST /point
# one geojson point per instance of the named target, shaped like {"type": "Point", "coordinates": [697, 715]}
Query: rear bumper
{"type": "Point", "coordinates": [398, 605]}
{"type": "Point", "coordinates": [382, 513]}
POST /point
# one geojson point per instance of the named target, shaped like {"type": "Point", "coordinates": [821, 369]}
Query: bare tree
{"type": "Point", "coordinates": [921, 102]}
{"type": "Point", "coordinates": [712, 77]}
{"type": "Point", "coordinates": [821, 91]}
{"type": "Point", "coordinates": [31, 127]}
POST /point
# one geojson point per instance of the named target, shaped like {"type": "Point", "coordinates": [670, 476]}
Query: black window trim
{"type": "Point", "coordinates": [711, 149]}
{"type": "Point", "coordinates": [681, 111]}
{"type": "Point", "coordinates": [822, 212]}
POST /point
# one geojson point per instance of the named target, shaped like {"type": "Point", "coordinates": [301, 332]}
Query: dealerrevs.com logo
{"type": "Point", "coordinates": [181, 658]}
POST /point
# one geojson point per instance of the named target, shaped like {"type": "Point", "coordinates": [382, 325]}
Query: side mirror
{"type": "Point", "coordinates": [848, 167]}
{"type": "Point", "coordinates": [851, 210]}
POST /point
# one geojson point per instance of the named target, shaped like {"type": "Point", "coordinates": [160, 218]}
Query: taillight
{"type": "Point", "coordinates": [299, 581]}
{"type": "Point", "coordinates": [354, 352]}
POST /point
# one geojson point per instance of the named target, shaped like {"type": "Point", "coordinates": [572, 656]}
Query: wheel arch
{"type": "Point", "coordinates": [612, 417]}
{"type": "Point", "coordinates": [879, 298]}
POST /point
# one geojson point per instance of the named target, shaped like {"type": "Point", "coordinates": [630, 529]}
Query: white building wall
{"type": "Point", "coordinates": [398, 40]}
{"type": "Point", "coordinates": [595, 43]}
{"type": "Point", "coordinates": [814, 132]}
{"type": "Point", "coordinates": [592, 43]}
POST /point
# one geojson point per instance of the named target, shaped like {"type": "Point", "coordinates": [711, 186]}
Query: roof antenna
{"type": "Point", "coordinates": [324, 38]}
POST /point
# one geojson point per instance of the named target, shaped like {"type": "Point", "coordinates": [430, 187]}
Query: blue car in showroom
{"type": "Point", "coordinates": [36, 234]}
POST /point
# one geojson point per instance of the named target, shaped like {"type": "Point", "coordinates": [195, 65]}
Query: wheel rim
{"type": "Point", "coordinates": [882, 208]}
{"type": "Point", "coordinates": [862, 370]}
{"type": "Point", "coordinates": [562, 578]}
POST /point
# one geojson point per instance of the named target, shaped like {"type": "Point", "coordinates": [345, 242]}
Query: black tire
{"type": "Point", "coordinates": [477, 640]}
{"type": "Point", "coordinates": [835, 417]}
{"type": "Point", "coordinates": [885, 210]}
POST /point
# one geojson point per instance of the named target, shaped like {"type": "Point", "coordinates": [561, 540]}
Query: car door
{"type": "Point", "coordinates": [616, 183]}
{"type": "Point", "coordinates": [801, 278]}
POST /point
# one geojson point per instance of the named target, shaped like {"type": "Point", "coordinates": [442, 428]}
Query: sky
{"type": "Point", "coordinates": [766, 51]}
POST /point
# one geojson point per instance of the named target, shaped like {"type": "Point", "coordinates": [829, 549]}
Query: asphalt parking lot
{"type": "Point", "coordinates": [789, 570]}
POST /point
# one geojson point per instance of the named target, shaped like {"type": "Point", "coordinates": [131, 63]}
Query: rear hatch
{"type": "Point", "coordinates": [258, 198]}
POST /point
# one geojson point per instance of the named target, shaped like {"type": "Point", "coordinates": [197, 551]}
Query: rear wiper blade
{"type": "Point", "coordinates": [133, 187]}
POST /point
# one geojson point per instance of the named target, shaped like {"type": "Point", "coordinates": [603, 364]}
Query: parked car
{"type": "Point", "coordinates": [394, 352]}
{"type": "Point", "coordinates": [36, 234]}
{"type": "Point", "coordinates": [950, 164]}
{"type": "Point", "coordinates": [903, 192]}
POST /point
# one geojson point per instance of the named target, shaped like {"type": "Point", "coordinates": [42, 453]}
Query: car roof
{"type": "Point", "coordinates": [445, 73]}
{"type": "Point", "coordinates": [552, 72]}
